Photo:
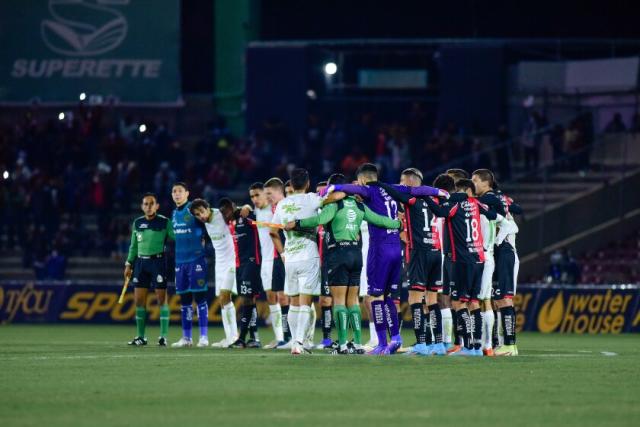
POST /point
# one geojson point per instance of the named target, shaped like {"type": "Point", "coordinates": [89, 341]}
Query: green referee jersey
{"type": "Point", "coordinates": [345, 218]}
{"type": "Point", "coordinates": [148, 236]}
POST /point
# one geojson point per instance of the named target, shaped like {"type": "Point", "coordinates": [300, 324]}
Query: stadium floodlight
{"type": "Point", "coordinates": [142, 128]}
{"type": "Point", "coordinates": [61, 116]}
{"type": "Point", "coordinates": [330, 68]}
{"type": "Point", "coordinates": [5, 174]}
{"type": "Point", "coordinates": [83, 96]}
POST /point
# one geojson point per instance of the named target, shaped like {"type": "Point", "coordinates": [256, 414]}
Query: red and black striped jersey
{"type": "Point", "coordinates": [421, 226]}
{"type": "Point", "coordinates": [245, 235]}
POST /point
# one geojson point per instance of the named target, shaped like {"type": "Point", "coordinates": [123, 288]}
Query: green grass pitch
{"type": "Point", "coordinates": [57, 375]}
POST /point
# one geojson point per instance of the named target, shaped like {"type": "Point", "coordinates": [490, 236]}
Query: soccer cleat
{"type": "Point", "coordinates": [338, 351]}
{"type": "Point", "coordinates": [238, 344]}
{"type": "Point", "coordinates": [138, 341]}
{"type": "Point", "coordinates": [507, 350]}
{"type": "Point", "coordinates": [288, 345]}
{"type": "Point", "coordinates": [308, 346]}
{"type": "Point", "coordinates": [371, 344]}
{"type": "Point", "coordinates": [298, 349]}
{"type": "Point", "coordinates": [203, 342]}
{"type": "Point", "coordinates": [394, 344]}
{"type": "Point", "coordinates": [454, 349]}
{"type": "Point", "coordinates": [272, 344]}
{"type": "Point", "coordinates": [183, 342]}
{"type": "Point", "coordinates": [488, 352]}
{"type": "Point", "coordinates": [477, 352]}
{"type": "Point", "coordinates": [463, 352]}
{"type": "Point", "coordinates": [162, 342]}
{"type": "Point", "coordinates": [438, 349]}
{"type": "Point", "coordinates": [254, 344]}
{"type": "Point", "coordinates": [223, 343]}
{"type": "Point", "coordinates": [379, 350]}
{"type": "Point", "coordinates": [325, 344]}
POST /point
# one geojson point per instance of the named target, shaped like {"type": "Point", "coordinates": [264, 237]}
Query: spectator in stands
{"type": "Point", "coordinates": [56, 266]}
{"type": "Point", "coordinates": [532, 140]}
{"type": "Point", "coordinates": [616, 125]}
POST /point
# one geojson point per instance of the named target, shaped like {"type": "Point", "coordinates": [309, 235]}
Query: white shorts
{"type": "Point", "coordinates": [364, 282]}
{"type": "Point", "coordinates": [302, 277]}
{"type": "Point", "coordinates": [225, 277]}
{"type": "Point", "coordinates": [487, 276]}
{"type": "Point", "coordinates": [266, 274]}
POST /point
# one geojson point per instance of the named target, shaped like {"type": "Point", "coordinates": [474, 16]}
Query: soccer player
{"type": "Point", "coordinates": [274, 191]}
{"type": "Point", "coordinates": [423, 252]}
{"type": "Point", "coordinates": [217, 226]}
{"type": "Point", "coordinates": [301, 257]}
{"type": "Point", "coordinates": [147, 265]}
{"type": "Point", "coordinates": [191, 268]}
{"type": "Point", "coordinates": [384, 262]}
{"type": "Point", "coordinates": [507, 268]}
{"type": "Point", "coordinates": [288, 189]}
{"type": "Point", "coordinates": [344, 258]}
{"type": "Point", "coordinates": [263, 212]}
{"type": "Point", "coordinates": [325, 292]}
{"type": "Point", "coordinates": [484, 182]}
{"type": "Point", "coordinates": [462, 212]}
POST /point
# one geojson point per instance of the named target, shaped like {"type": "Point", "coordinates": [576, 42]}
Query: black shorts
{"type": "Point", "coordinates": [344, 265]}
{"type": "Point", "coordinates": [467, 281]}
{"type": "Point", "coordinates": [148, 272]}
{"type": "Point", "coordinates": [425, 271]}
{"type": "Point", "coordinates": [447, 275]}
{"type": "Point", "coordinates": [277, 278]}
{"type": "Point", "coordinates": [505, 270]}
{"type": "Point", "coordinates": [248, 279]}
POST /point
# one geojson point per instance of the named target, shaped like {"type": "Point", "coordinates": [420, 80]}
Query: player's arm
{"type": "Point", "coordinates": [381, 221]}
{"type": "Point", "coordinates": [171, 235]}
{"type": "Point", "coordinates": [506, 226]}
{"type": "Point", "coordinates": [350, 189]}
{"type": "Point", "coordinates": [274, 233]}
{"type": "Point", "coordinates": [494, 203]}
{"type": "Point", "coordinates": [487, 211]}
{"type": "Point", "coordinates": [516, 209]}
{"type": "Point", "coordinates": [324, 217]}
{"type": "Point", "coordinates": [422, 191]}
{"type": "Point", "coordinates": [133, 252]}
{"type": "Point", "coordinates": [398, 195]}
{"type": "Point", "coordinates": [334, 197]}
{"type": "Point", "coordinates": [444, 210]}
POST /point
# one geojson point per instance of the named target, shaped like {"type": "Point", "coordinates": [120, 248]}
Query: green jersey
{"type": "Point", "coordinates": [344, 219]}
{"type": "Point", "coordinates": [149, 236]}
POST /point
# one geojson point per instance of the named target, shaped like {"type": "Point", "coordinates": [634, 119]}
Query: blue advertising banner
{"type": "Point", "coordinates": [576, 309]}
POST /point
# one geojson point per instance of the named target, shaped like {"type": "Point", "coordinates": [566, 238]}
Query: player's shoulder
{"type": "Point", "coordinates": [137, 221]}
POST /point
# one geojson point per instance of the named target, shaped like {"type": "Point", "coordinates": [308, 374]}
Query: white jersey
{"type": "Point", "coordinates": [488, 229]}
{"type": "Point", "coordinates": [266, 244]}
{"type": "Point", "coordinates": [221, 238]}
{"type": "Point", "coordinates": [299, 246]}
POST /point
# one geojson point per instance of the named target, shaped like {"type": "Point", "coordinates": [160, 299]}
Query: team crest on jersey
{"type": "Point", "coordinates": [159, 279]}
{"type": "Point", "coordinates": [186, 216]}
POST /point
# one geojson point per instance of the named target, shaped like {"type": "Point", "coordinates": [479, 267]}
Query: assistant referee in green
{"type": "Point", "coordinates": [146, 266]}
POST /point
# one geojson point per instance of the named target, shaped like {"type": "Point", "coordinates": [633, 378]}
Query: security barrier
{"type": "Point", "coordinates": [578, 309]}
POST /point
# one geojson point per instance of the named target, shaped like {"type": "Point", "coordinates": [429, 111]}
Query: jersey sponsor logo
{"type": "Point", "coordinates": [291, 209]}
{"type": "Point", "coordinates": [198, 268]}
{"type": "Point", "coordinates": [143, 225]}
{"type": "Point", "coordinates": [182, 231]}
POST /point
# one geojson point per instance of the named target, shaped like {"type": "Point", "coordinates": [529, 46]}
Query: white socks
{"type": "Point", "coordinates": [294, 315]}
{"type": "Point", "coordinates": [228, 313]}
{"type": "Point", "coordinates": [447, 325]}
{"type": "Point", "coordinates": [311, 326]}
{"type": "Point", "coordinates": [304, 316]}
{"type": "Point", "coordinates": [373, 336]}
{"type": "Point", "coordinates": [275, 317]}
{"type": "Point", "coordinates": [487, 329]}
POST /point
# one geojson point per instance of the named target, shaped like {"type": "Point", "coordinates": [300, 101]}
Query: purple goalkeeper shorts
{"type": "Point", "coordinates": [384, 265]}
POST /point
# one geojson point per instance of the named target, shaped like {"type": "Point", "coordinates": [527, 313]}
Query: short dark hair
{"type": "Point", "coordinates": [368, 169]}
{"type": "Point", "coordinates": [180, 184]}
{"type": "Point", "coordinates": [288, 183]}
{"type": "Point", "coordinates": [256, 186]}
{"type": "Point", "coordinates": [337, 178]}
{"type": "Point", "coordinates": [445, 182]}
{"type": "Point", "coordinates": [225, 202]}
{"type": "Point", "coordinates": [458, 174]}
{"type": "Point", "coordinates": [322, 184]}
{"type": "Point", "coordinates": [464, 184]}
{"type": "Point", "coordinates": [413, 172]}
{"type": "Point", "coordinates": [275, 182]}
{"type": "Point", "coordinates": [197, 204]}
{"type": "Point", "coordinates": [485, 175]}
{"type": "Point", "coordinates": [299, 178]}
{"type": "Point", "coordinates": [150, 194]}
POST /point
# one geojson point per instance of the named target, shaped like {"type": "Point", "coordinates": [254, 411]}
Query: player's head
{"type": "Point", "coordinates": [227, 207]}
{"type": "Point", "coordinates": [274, 190]}
{"type": "Point", "coordinates": [321, 186]}
{"type": "Point", "coordinates": [288, 189]}
{"type": "Point", "coordinates": [411, 177]}
{"type": "Point", "coordinates": [149, 204]}
{"type": "Point", "coordinates": [180, 193]}
{"type": "Point", "coordinates": [457, 174]}
{"type": "Point", "coordinates": [299, 179]}
{"type": "Point", "coordinates": [258, 196]}
{"type": "Point", "coordinates": [200, 209]}
{"type": "Point", "coordinates": [445, 182]}
{"type": "Point", "coordinates": [466, 186]}
{"type": "Point", "coordinates": [367, 172]}
{"type": "Point", "coordinates": [483, 179]}
{"type": "Point", "coordinates": [336, 178]}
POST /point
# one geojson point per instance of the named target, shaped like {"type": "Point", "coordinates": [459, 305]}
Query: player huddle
{"type": "Point", "coordinates": [454, 243]}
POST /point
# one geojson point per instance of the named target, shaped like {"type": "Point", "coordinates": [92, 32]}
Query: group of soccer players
{"type": "Point", "coordinates": [346, 244]}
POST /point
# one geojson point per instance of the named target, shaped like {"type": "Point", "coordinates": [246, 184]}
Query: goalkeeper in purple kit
{"type": "Point", "coordinates": [384, 262]}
